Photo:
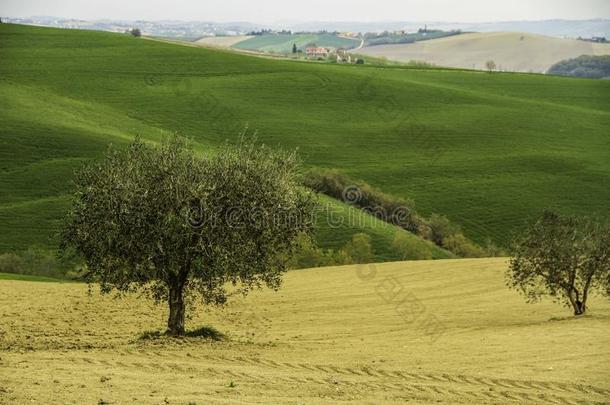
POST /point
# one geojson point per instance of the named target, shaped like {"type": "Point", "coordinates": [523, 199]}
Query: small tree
{"type": "Point", "coordinates": [307, 254]}
{"type": "Point", "coordinates": [563, 257]}
{"type": "Point", "coordinates": [294, 48]}
{"type": "Point", "coordinates": [136, 32]}
{"type": "Point", "coordinates": [408, 247]}
{"type": "Point", "coordinates": [490, 65]}
{"type": "Point", "coordinates": [441, 228]}
{"type": "Point", "coordinates": [161, 220]}
{"type": "Point", "coordinates": [359, 249]}
{"type": "Point", "coordinates": [461, 246]}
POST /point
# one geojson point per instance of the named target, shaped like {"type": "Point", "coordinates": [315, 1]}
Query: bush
{"type": "Point", "coordinates": [12, 263]}
{"type": "Point", "coordinates": [441, 228]}
{"type": "Point", "coordinates": [359, 249]}
{"type": "Point", "coordinates": [308, 255]}
{"type": "Point", "coordinates": [359, 61]}
{"type": "Point", "coordinates": [409, 248]}
{"type": "Point", "coordinates": [394, 210]}
{"type": "Point", "coordinates": [459, 245]}
{"type": "Point", "coordinates": [136, 32]}
{"type": "Point", "coordinates": [492, 250]}
{"type": "Point", "coordinates": [37, 262]}
{"type": "Point", "coordinates": [397, 211]}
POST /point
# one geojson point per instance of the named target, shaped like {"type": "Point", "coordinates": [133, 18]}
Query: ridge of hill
{"type": "Point", "coordinates": [511, 51]}
{"type": "Point", "coordinates": [487, 151]}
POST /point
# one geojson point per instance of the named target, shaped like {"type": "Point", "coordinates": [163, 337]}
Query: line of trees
{"type": "Point", "coordinates": [399, 211]}
{"type": "Point", "coordinates": [586, 66]}
{"type": "Point", "coordinates": [358, 250]}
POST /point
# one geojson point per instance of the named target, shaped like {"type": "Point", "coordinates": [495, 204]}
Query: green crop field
{"type": "Point", "coordinates": [486, 150]}
{"type": "Point", "coordinates": [332, 335]}
{"type": "Point", "coordinates": [283, 43]}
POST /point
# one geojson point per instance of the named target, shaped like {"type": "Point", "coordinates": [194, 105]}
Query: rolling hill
{"type": "Point", "coordinates": [515, 52]}
{"type": "Point", "coordinates": [223, 41]}
{"type": "Point", "coordinates": [486, 150]}
{"type": "Point", "coordinates": [332, 335]}
{"type": "Point", "coordinates": [283, 43]}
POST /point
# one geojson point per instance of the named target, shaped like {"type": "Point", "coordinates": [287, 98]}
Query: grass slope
{"type": "Point", "coordinates": [222, 41]}
{"type": "Point", "coordinates": [485, 150]}
{"type": "Point", "coordinates": [512, 51]}
{"type": "Point", "coordinates": [282, 43]}
{"type": "Point", "coordinates": [328, 336]}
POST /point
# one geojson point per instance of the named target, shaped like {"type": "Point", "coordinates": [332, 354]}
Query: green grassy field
{"type": "Point", "coordinates": [332, 335]}
{"type": "Point", "coordinates": [487, 150]}
{"type": "Point", "coordinates": [282, 43]}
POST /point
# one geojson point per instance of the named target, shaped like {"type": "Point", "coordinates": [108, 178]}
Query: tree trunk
{"type": "Point", "coordinates": [175, 322]}
{"type": "Point", "coordinates": [579, 308]}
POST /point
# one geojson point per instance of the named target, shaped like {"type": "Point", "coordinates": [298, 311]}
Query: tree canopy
{"type": "Point", "coordinates": [160, 219]}
{"type": "Point", "coordinates": [562, 257]}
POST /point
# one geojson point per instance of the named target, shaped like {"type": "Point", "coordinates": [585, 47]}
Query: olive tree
{"type": "Point", "coordinates": [562, 257]}
{"type": "Point", "coordinates": [161, 220]}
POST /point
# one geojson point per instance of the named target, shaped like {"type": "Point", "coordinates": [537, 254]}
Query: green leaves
{"type": "Point", "coordinates": [563, 257]}
{"type": "Point", "coordinates": [147, 214]}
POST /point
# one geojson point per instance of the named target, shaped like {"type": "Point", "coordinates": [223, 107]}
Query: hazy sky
{"type": "Point", "coordinates": [268, 11]}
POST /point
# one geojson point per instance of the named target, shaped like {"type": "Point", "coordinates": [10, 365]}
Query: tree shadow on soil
{"type": "Point", "coordinates": [205, 332]}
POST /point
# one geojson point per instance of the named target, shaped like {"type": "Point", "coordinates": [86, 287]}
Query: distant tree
{"type": "Point", "coordinates": [594, 67]}
{"type": "Point", "coordinates": [294, 48]}
{"type": "Point", "coordinates": [564, 258]}
{"type": "Point", "coordinates": [490, 65]}
{"type": "Point", "coordinates": [359, 61]}
{"type": "Point", "coordinates": [161, 220]}
{"type": "Point", "coordinates": [136, 32]}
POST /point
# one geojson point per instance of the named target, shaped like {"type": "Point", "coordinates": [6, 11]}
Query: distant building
{"type": "Point", "coordinates": [601, 40]}
{"type": "Point", "coordinates": [317, 52]}
{"type": "Point", "coordinates": [343, 56]}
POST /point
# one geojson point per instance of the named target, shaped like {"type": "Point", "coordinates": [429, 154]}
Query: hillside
{"type": "Point", "coordinates": [515, 52]}
{"type": "Point", "coordinates": [283, 43]}
{"type": "Point", "coordinates": [329, 336]}
{"type": "Point", "coordinates": [593, 67]}
{"type": "Point", "coordinates": [223, 41]}
{"type": "Point", "coordinates": [486, 150]}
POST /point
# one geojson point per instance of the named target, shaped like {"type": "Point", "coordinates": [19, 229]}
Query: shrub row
{"type": "Point", "coordinates": [398, 211]}
{"type": "Point", "coordinates": [594, 67]}
{"type": "Point", "coordinates": [37, 262]}
{"type": "Point", "coordinates": [357, 251]}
